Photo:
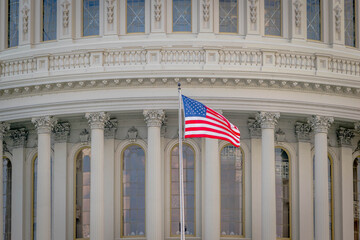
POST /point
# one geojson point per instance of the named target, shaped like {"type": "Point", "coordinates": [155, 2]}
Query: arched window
{"type": "Point", "coordinates": [273, 15]}
{"type": "Point", "coordinates": [181, 15]}
{"type": "Point", "coordinates": [189, 190]}
{"type": "Point", "coordinates": [34, 169]}
{"type": "Point", "coordinates": [356, 195]}
{"type": "Point", "coordinates": [49, 9]}
{"type": "Point", "coordinates": [313, 12]}
{"type": "Point", "coordinates": [283, 193]}
{"type": "Point", "coordinates": [350, 22]}
{"type": "Point", "coordinates": [82, 194]}
{"type": "Point", "coordinates": [90, 18]}
{"type": "Point", "coordinates": [6, 199]}
{"type": "Point", "coordinates": [133, 191]}
{"type": "Point", "coordinates": [232, 191]}
{"type": "Point", "coordinates": [13, 23]}
{"type": "Point", "coordinates": [135, 16]}
{"type": "Point", "coordinates": [228, 16]}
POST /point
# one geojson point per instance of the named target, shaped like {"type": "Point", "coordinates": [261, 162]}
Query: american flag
{"type": "Point", "coordinates": [202, 121]}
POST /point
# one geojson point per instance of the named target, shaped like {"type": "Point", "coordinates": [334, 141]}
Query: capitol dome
{"type": "Point", "coordinates": [89, 119]}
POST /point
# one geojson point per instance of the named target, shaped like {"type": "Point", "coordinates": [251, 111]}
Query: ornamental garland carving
{"type": "Point", "coordinates": [268, 119]}
{"type": "Point", "coordinates": [154, 118]}
{"type": "Point", "coordinates": [25, 18]}
{"type": "Point", "coordinates": [110, 128]}
{"type": "Point", "coordinates": [97, 119]}
{"type": "Point", "coordinates": [320, 124]}
{"type": "Point", "coordinates": [110, 11]}
{"type": "Point", "coordinates": [4, 127]}
{"type": "Point", "coordinates": [302, 131]}
{"type": "Point", "coordinates": [19, 137]}
{"type": "Point", "coordinates": [338, 11]}
{"type": "Point", "coordinates": [297, 5]}
{"type": "Point", "coordinates": [157, 10]}
{"type": "Point", "coordinates": [44, 124]}
{"type": "Point", "coordinates": [65, 13]}
{"type": "Point", "coordinates": [61, 131]}
{"type": "Point", "coordinates": [254, 128]}
{"type": "Point", "coordinates": [206, 10]}
{"type": "Point", "coordinates": [253, 10]}
{"type": "Point", "coordinates": [344, 136]}
{"type": "Point", "coordinates": [132, 134]}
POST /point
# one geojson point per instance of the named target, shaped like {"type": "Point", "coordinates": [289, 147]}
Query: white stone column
{"type": "Point", "coordinates": [60, 176]}
{"type": "Point", "coordinates": [43, 193]}
{"type": "Point", "coordinates": [255, 133]}
{"type": "Point", "coordinates": [346, 176]}
{"type": "Point", "coordinates": [305, 168]}
{"type": "Point", "coordinates": [3, 128]}
{"type": "Point", "coordinates": [211, 208]}
{"type": "Point", "coordinates": [320, 125]}
{"type": "Point", "coordinates": [268, 120]}
{"type": "Point", "coordinates": [19, 138]}
{"type": "Point", "coordinates": [97, 121]}
{"type": "Point", "coordinates": [154, 207]}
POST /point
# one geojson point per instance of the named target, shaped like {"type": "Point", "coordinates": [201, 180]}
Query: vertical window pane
{"type": "Point", "coordinates": [82, 213]}
{"type": "Point", "coordinates": [133, 191]}
{"type": "Point", "coordinates": [135, 16]}
{"type": "Point", "coordinates": [7, 199]}
{"type": "Point", "coordinates": [228, 16]}
{"type": "Point", "coordinates": [49, 20]}
{"type": "Point", "coordinates": [232, 163]}
{"type": "Point", "coordinates": [282, 193]}
{"type": "Point", "coordinates": [189, 190]}
{"type": "Point", "coordinates": [34, 198]}
{"type": "Point", "coordinates": [313, 19]}
{"type": "Point", "coordinates": [356, 196]}
{"type": "Point", "coordinates": [350, 25]}
{"type": "Point", "coordinates": [13, 23]}
{"type": "Point", "coordinates": [273, 17]}
{"type": "Point", "coordinates": [181, 15]}
{"type": "Point", "coordinates": [90, 17]}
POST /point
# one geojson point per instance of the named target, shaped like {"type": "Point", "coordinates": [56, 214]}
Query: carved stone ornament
{"type": "Point", "coordinates": [157, 10]}
{"type": "Point", "coordinates": [97, 119]}
{"type": "Point", "coordinates": [357, 127]}
{"type": "Point", "coordinates": [280, 135]}
{"type": "Point", "coordinates": [297, 5]}
{"type": "Point", "coordinates": [154, 118]}
{"type": "Point", "coordinates": [338, 11]}
{"type": "Point", "coordinates": [19, 137]}
{"type": "Point", "coordinates": [268, 119]}
{"type": "Point", "coordinates": [320, 124]}
{"type": "Point", "coordinates": [253, 10]}
{"type": "Point", "coordinates": [44, 124]}
{"type": "Point", "coordinates": [110, 128]}
{"type": "Point", "coordinates": [356, 209]}
{"type": "Point", "coordinates": [4, 127]}
{"type": "Point", "coordinates": [357, 147]}
{"type": "Point", "coordinates": [25, 18]}
{"type": "Point", "coordinates": [206, 10]}
{"type": "Point", "coordinates": [302, 131]}
{"type": "Point", "coordinates": [61, 132]}
{"type": "Point", "coordinates": [254, 128]}
{"type": "Point", "coordinates": [132, 134]}
{"type": "Point", "coordinates": [344, 136]}
{"type": "Point", "coordinates": [65, 13]}
{"type": "Point", "coordinates": [84, 136]}
{"type": "Point", "coordinates": [110, 11]}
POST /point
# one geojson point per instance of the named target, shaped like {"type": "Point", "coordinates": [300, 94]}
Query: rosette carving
{"type": "Point", "coordinates": [97, 119]}
{"type": "Point", "coordinates": [154, 118]}
{"type": "Point", "coordinates": [268, 119]}
{"type": "Point", "coordinates": [320, 123]}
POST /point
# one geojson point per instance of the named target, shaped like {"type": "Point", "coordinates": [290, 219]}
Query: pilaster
{"type": "Point", "coordinates": [97, 122]}
{"type": "Point", "coordinates": [158, 16]}
{"type": "Point", "coordinates": [207, 11]}
{"type": "Point", "coordinates": [254, 17]}
{"type": "Point", "coordinates": [337, 23]}
{"type": "Point", "coordinates": [298, 19]}
{"type": "Point", "coordinates": [110, 17]}
{"type": "Point", "coordinates": [66, 20]}
{"type": "Point", "coordinates": [154, 207]}
{"type": "Point", "coordinates": [320, 125]}
{"type": "Point", "coordinates": [3, 128]}
{"type": "Point", "coordinates": [26, 22]}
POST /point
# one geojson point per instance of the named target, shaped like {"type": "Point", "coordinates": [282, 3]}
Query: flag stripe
{"type": "Point", "coordinates": [236, 144]}
{"type": "Point", "coordinates": [193, 129]}
{"type": "Point", "coordinates": [206, 123]}
{"type": "Point", "coordinates": [191, 120]}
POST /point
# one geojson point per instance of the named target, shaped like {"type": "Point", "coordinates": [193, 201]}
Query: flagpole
{"type": "Point", "coordinates": [181, 180]}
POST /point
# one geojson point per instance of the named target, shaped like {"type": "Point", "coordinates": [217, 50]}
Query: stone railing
{"type": "Point", "coordinates": [189, 58]}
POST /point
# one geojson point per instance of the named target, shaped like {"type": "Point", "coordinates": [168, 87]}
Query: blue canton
{"type": "Point", "coordinates": [193, 108]}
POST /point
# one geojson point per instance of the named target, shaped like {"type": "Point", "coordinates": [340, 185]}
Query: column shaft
{"type": "Point", "coordinates": [256, 188]}
{"type": "Point", "coordinates": [211, 209]}
{"type": "Point", "coordinates": [1, 184]}
{"type": "Point", "coordinates": [109, 180]}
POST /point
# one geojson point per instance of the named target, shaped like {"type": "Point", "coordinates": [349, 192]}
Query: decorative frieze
{"type": "Point", "coordinates": [344, 136]}
{"type": "Point", "coordinates": [157, 10]}
{"type": "Point", "coordinates": [4, 127]}
{"type": "Point", "coordinates": [154, 118]}
{"type": "Point", "coordinates": [254, 128]}
{"type": "Point", "coordinates": [297, 10]}
{"type": "Point", "coordinates": [320, 124]}
{"type": "Point", "coordinates": [44, 124]}
{"type": "Point", "coordinates": [97, 119]}
{"type": "Point", "coordinates": [61, 132]}
{"type": "Point", "coordinates": [110, 11]}
{"type": "Point", "coordinates": [19, 137]}
{"type": "Point", "coordinates": [65, 13]}
{"type": "Point", "coordinates": [110, 128]}
{"type": "Point", "coordinates": [132, 134]}
{"type": "Point", "coordinates": [268, 119]}
{"type": "Point", "coordinates": [302, 131]}
{"type": "Point", "coordinates": [206, 10]}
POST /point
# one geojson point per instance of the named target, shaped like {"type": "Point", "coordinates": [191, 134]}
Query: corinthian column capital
{"type": "Point", "coordinates": [154, 118]}
{"type": "Point", "coordinates": [44, 124]}
{"type": "Point", "coordinates": [97, 120]}
{"type": "Point", "coordinates": [267, 119]}
{"type": "Point", "coordinates": [320, 124]}
{"type": "Point", "coordinates": [3, 128]}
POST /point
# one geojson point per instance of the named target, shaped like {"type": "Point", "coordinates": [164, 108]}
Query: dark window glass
{"type": "Point", "coordinates": [90, 17]}
{"type": "Point", "coordinates": [273, 17]}
{"type": "Point", "coordinates": [313, 19]}
{"type": "Point", "coordinates": [13, 23]}
{"type": "Point", "coordinates": [135, 16]}
{"type": "Point", "coordinates": [350, 22]}
{"type": "Point", "coordinates": [49, 20]}
{"type": "Point", "coordinates": [181, 15]}
{"type": "Point", "coordinates": [228, 16]}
